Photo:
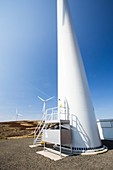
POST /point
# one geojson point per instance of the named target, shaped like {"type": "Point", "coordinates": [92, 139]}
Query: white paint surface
{"type": "Point", "coordinates": [105, 127]}
{"type": "Point", "coordinates": [72, 82]}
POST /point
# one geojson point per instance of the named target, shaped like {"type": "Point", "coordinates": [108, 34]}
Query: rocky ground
{"type": "Point", "coordinates": [15, 154]}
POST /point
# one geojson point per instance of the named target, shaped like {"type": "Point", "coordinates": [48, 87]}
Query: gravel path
{"type": "Point", "coordinates": [16, 155]}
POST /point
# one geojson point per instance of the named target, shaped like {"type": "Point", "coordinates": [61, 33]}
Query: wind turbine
{"type": "Point", "coordinates": [44, 103]}
{"type": "Point", "coordinates": [17, 114]}
{"type": "Point", "coordinates": [73, 84]}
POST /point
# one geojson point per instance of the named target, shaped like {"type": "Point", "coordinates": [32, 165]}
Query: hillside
{"type": "Point", "coordinates": [17, 129]}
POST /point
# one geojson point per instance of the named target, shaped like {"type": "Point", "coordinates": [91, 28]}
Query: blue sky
{"type": "Point", "coordinates": [28, 54]}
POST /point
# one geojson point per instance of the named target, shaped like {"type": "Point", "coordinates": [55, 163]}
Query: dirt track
{"type": "Point", "coordinates": [16, 155]}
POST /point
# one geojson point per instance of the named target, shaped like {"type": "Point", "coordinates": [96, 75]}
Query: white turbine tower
{"type": "Point", "coordinates": [44, 103]}
{"type": "Point", "coordinates": [73, 84]}
{"type": "Point", "coordinates": [17, 114]}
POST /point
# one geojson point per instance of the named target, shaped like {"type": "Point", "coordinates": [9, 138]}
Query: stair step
{"type": "Point", "coordinates": [35, 145]}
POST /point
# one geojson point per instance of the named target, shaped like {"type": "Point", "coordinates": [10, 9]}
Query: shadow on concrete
{"type": "Point", "coordinates": [108, 143]}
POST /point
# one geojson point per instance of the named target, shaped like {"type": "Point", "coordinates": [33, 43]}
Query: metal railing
{"type": "Point", "coordinates": [55, 114]}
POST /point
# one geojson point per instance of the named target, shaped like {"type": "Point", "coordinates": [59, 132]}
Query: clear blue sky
{"type": "Point", "coordinates": [28, 54]}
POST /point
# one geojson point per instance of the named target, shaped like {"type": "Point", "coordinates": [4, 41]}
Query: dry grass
{"type": "Point", "coordinates": [17, 129]}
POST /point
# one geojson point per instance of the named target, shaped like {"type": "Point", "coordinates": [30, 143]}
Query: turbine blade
{"type": "Point", "coordinates": [41, 98]}
{"type": "Point", "coordinates": [50, 98]}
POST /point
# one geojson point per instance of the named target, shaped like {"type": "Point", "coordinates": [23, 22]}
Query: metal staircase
{"type": "Point", "coordinates": [39, 129]}
{"type": "Point", "coordinates": [55, 130]}
{"type": "Point", "coordinates": [38, 132]}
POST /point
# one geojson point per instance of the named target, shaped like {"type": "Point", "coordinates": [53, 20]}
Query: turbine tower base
{"type": "Point", "coordinates": [83, 151]}
{"type": "Point", "coordinates": [90, 151]}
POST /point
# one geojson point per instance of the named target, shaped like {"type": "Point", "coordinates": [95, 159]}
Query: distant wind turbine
{"type": "Point", "coordinates": [17, 114]}
{"type": "Point", "coordinates": [44, 103]}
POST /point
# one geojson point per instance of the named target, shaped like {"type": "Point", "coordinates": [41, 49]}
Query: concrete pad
{"type": "Point", "coordinates": [50, 155]}
{"type": "Point", "coordinates": [55, 152]}
{"type": "Point", "coordinates": [34, 146]}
